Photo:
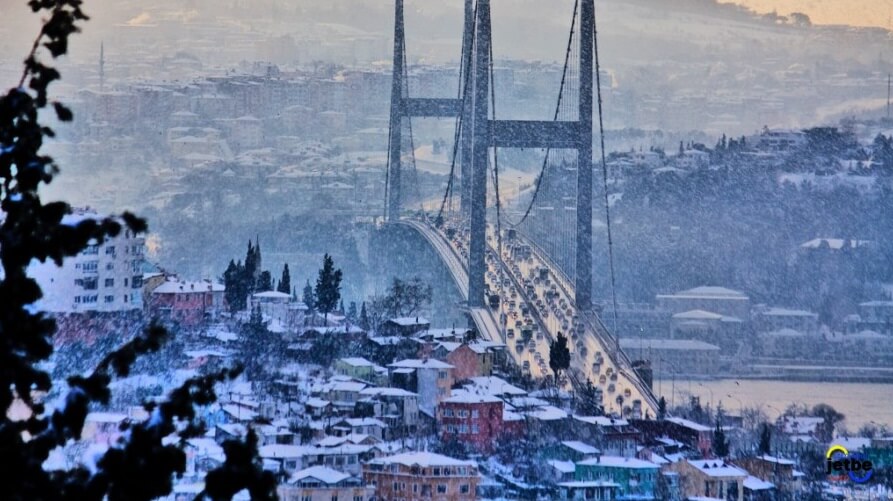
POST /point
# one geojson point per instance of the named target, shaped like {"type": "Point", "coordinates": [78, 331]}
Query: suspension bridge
{"type": "Point", "coordinates": [527, 280]}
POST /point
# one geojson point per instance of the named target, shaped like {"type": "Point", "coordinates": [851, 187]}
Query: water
{"type": "Point", "coordinates": [861, 403]}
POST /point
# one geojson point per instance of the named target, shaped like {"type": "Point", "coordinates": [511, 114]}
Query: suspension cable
{"type": "Point", "coordinates": [463, 86]}
{"type": "Point", "coordinates": [539, 179]}
{"type": "Point", "coordinates": [601, 134]}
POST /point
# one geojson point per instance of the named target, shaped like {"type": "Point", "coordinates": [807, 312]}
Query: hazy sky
{"type": "Point", "coordinates": [854, 12]}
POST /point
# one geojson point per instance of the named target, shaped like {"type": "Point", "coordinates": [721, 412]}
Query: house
{"type": "Point", "coordinates": [430, 378]}
{"type": "Point", "coordinates": [675, 357]}
{"type": "Point", "coordinates": [767, 319]}
{"type": "Point", "coordinates": [471, 419]}
{"type": "Point", "coordinates": [773, 470]}
{"type": "Point", "coordinates": [365, 426]}
{"type": "Point", "coordinates": [709, 327]}
{"type": "Point", "coordinates": [615, 436]}
{"type": "Point", "coordinates": [417, 476]}
{"type": "Point", "coordinates": [574, 450]}
{"type": "Point", "coordinates": [404, 326]}
{"type": "Point", "coordinates": [395, 406]}
{"type": "Point", "coordinates": [320, 483]}
{"type": "Point", "coordinates": [694, 435]}
{"type": "Point", "coordinates": [588, 489]}
{"type": "Point", "coordinates": [355, 367]}
{"type": "Point", "coordinates": [720, 300]}
{"type": "Point", "coordinates": [710, 478]}
{"type": "Point", "coordinates": [186, 303]}
{"type": "Point", "coordinates": [469, 360]}
{"type": "Point", "coordinates": [279, 308]}
{"type": "Point", "coordinates": [637, 479]}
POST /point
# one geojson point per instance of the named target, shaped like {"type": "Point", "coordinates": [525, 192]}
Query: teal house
{"type": "Point", "coordinates": [637, 478]}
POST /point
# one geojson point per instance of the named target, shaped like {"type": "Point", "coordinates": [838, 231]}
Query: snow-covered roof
{"type": "Point", "coordinates": [755, 484]}
{"type": "Point", "coordinates": [707, 292]}
{"type": "Point", "coordinates": [689, 424]}
{"type": "Point", "coordinates": [717, 468]}
{"type": "Point", "coordinates": [271, 295]}
{"type": "Point", "coordinates": [583, 484]}
{"type": "Point", "coordinates": [618, 462]}
{"type": "Point", "coordinates": [494, 386]}
{"type": "Point", "coordinates": [179, 287]}
{"type": "Point", "coordinates": [547, 413]}
{"type": "Point", "coordinates": [416, 363]}
{"type": "Point", "coordinates": [563, 466]}
{"type": "Point", "coordinates": [467, 397]}
{"type": "Point", "coordinates": [322, 473]}
{"type": "Point", "coordinates": [409, 321]}
{"type": "Point", "coordinates": [698, 315]}
{"type": "Point", "coordinates": [777, 460]}
{"type": "Point", "coordinates": [105, 417]}
{"type": "Point", "coordinates": [667, 344]}
{"type": "Point", "coordinates": [581, 447]}
{"type": "Point", "coordinates": [357, 362]}
{"type": "Point", "coordinates": [602, 420]}
{"type": "Point", "coordinates": [388, 392]}
{"type": "Point", "coordinates": [422, 459]}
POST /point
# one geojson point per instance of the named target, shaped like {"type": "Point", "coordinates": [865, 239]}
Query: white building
{"type": "Point", "coordinates": [104, 277]}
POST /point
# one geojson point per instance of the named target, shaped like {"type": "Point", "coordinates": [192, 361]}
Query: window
{"type": "Point", "coordinates": [109, 266]}
{"type": "Point", "coordinates": [463, 428]}
{"type": "Point", "coordinates": [448, 412]}
{"type": "Point", "coordinates": [464, 489]}
{"type": "Point", "coordinates": [89, 266]}
{"type": "Point", "coordinates": [334, 497]}
{"type": "Point", "coordinates": [91, 250]}
{"type": "Point", "coordinates": [396, 486]}
{"type": "Point", "coordinates": [109, 282]}
{"type": "Point", "coordinates": [306, 497]}
{"type": "Point", "coordinates": [110, 250]}
{"type": "Point", "coordinates": [136, 265]}
{"type": "Point", "coordinates": [474, 428]}
{"type": "Point", "coordinates": [436, 472]}
{"type": "Point", "coordinates": [442, 374]}
{"type": "Point", "coordinates": [358, 498]}
{"type": "Point", "coordinates": [137, 281]}
{"type": "Point", "coordinates": [110, 299]}
{"type": "Point", "coordinates": [441, 488]}
{"type": "Point", "coordinates": [475, 413]}
{"type": "Point", "coordinates": [125, 282]}
{"type": "Point", "coordinates": [125, 298]}
{"type": "Point", "coordinates": [77, 300]}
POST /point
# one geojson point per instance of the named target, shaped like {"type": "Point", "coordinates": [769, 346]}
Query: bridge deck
{"type": "Point", "coordinates": [614, 375]}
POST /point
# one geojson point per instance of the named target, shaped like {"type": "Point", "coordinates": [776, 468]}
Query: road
{"type": "Point", "coordinates": [537, 299]}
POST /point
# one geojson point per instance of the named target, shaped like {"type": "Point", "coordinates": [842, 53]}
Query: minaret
{"type": "Point", "coordinates": [101, 66]}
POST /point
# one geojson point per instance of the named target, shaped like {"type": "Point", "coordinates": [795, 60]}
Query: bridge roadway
{"type": "Point", "coordinates": [594, 353]}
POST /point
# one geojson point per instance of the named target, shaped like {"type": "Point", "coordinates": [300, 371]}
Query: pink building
{"type": "Point", "coordinates": [186, 303]}
{"type": "Point", "coordinates": [474, 420]}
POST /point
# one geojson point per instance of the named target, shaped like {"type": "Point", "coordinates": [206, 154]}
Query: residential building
{"type": "Point", "coordinates": [430, 378]}
{"type": "Point", "coordinates": [398, 408]}
{"type": "Point", "coordinates": [470, 360]}
{"type": "Point", "coordinates": [471, 419]}
{"type": "Point", "coordinates": [780, 472]}
{"type": "Point", "coordinates": [417, 476]}
{"type": "Point", "coordinates": [637, 479]}
{"type": "Point", "coordinates": [767, 319]}
{"type": "Point", "coordinates": [320, 483]}
{"type": "Point", "coordinates": [404, 326]}
{"type": "Point", "coordinates": [726, 302]}
{"type": "Point", "coordinates": [694, 435]}
{"type": "Point", "coordinates": [186, 303]}
{"type": "Point", "coordinates": [675, 357]}
{"type": "Point", "coordinates": [104, 277]}
{"type": "Point", "coordinates": [712, 478]}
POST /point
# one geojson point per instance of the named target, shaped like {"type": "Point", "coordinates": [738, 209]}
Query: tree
{"type": "Point", "coordinates": [142, 464]}
{"type": "Point", "coordinates": [364, 317]}
{"type": "Point", "coordinates": [352, 314]}
{"type": "Point", "coordinates": [307, 297]}
{"type": "Point", "coordinates": [285, 281]}
{"type": "Point", "coordinates": [720, 442]}
{"type": "Point", "coordinates": [662, 409]}
{"type": "Point", "coordinates": [264, 282]}
{"type": "Point", "coordinates": [328, 287]}
{"type": "Point", "coordinates": [830, 418]}
{"type": "Point", "coordinates": [765, 446]}
{"type": "Point", "coordinates": [407, 298]}
{"type": "Point", "coordinates": [559, 355]}
{"type": "Point", "coordinates": [590, 400]}
{"type": "Point", "coordinates": [233, 282]}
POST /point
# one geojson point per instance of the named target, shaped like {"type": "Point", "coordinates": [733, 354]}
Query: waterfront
{"type": "Point", "coordinates": [861, 403]}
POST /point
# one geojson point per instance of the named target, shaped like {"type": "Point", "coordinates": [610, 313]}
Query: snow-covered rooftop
{"type": "Point", "coordinates": [423, 459]}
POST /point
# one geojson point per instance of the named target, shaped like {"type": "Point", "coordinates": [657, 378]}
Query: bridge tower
{"type": "Point", "coordinates": [488, 133]}
{"type": "Point", "coordinates": [404, 106]}
{"type": "Point", "coordinates": [478, 133]}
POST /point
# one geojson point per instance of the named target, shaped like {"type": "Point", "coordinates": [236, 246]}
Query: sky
{"type": "Point", "coordinates": [852, 12]}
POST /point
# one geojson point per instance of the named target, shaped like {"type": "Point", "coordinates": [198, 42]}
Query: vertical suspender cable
{"type": "Point", "coordinates": [601, 133]}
